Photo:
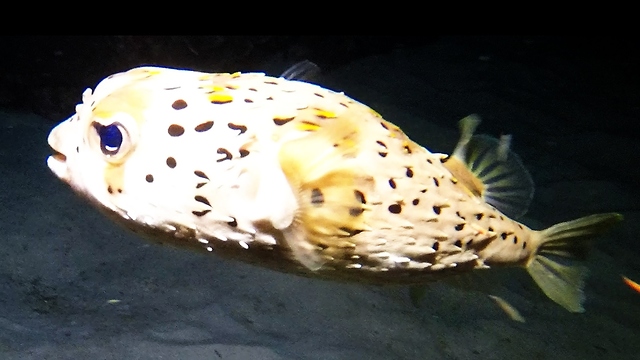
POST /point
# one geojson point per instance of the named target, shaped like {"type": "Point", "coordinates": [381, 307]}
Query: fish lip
{"type": "Point", "coordinates": [58, 155]}
{"type": "Point", "coordinates": [57, 163]}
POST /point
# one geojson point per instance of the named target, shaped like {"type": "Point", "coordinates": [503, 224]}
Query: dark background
{"type": "Point", "coordinates": [46, 75]}
{"type": "Point", "coordinates": [572, 104]}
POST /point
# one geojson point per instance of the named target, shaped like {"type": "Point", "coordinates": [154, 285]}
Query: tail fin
{"type": "Point", "coordinates": [552, 269]}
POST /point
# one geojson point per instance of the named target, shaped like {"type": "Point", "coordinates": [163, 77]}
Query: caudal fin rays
{"type": "Point", "coordinates": [556, 267]}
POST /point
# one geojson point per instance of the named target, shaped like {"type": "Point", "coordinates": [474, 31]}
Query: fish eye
{"type": "Point", "coordinates": [110, 138]}
{"type": "Point", "coordinates": [113, 140]}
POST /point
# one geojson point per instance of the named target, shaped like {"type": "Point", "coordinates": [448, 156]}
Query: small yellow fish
{"type": "Point", "coordinates": [289, 175]}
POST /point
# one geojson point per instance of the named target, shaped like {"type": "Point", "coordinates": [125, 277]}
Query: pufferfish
{"type": "Point", "coordinates": [291, 176]}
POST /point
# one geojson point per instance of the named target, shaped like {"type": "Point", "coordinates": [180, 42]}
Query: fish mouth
{"type": "Point", "coordinates": [57, 162]}
{"type": "Point", "coordinates": [58, 156]}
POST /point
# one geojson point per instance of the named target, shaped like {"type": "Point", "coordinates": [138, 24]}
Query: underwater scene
{"type": "Point", "coordinates": [365, 198]}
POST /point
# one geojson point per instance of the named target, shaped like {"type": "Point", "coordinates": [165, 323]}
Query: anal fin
{"type": "Point", "coordinates": [508, 309]}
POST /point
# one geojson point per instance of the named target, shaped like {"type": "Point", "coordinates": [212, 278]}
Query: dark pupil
{"type": "Point", "coordinates": [110, 139]}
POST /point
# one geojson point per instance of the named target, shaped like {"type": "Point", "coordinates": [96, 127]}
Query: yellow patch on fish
{"type": "Point", "coordinates": [291, 176]}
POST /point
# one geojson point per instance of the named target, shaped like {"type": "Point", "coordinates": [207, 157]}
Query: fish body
{"type": "Point", "coordinates": [295, 177]}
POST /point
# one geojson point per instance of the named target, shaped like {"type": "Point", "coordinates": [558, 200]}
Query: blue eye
{"type": "Point", "coordinates": [110, 138]}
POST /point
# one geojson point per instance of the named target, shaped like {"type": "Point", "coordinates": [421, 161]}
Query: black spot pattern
{"type": "Point", "coordinates": [359, 196]}
{"type": "Point", "coordinates": [204, 126]}
{"type": "Point", "coordinates": [355, 211]}
{"type": "Point", "coordinates": [149, 178]}
{"type": "Point", "coordinates": [171, 162]}
{"type": "Point", "coordinates": [515, 239]}
{"type": "Point", "coordinates": [392, 183]}
{"type": "Point", "coordinates": [352, 232]}
{"type": "Point", "coordinates": [395, 208]}
{"type": "Point", "coordinates": [317, 199]}
{"type": "Point", "coordinates": [503, 236]}
{"type": "Point", "coordinates": [175, 130]}
{"type": "Point", "coordinates": [282, 121]}
{"type": "Point", "coordinates": [435, 246]}
{"type": "Point", "coordinates": [202, 199]}
{"type": "Point", "coordinates": [479, 216]}
{"type": "Point", "coordinates": [409, 172]}
{"type": "Point", "coordinates": [435, 181]}
{"type": "Point", "coordinates": [458, 243]}
{"type": "Point", "coordinates": [225, 152]}
{"type": "Point", "coordinates": [233, 223]}
{"type": "Point", "coordinates": [415, 201]}
{"type": "Point", "coordinates": [201, 174]}
{"type": "Point", "coordinates": [240, 128]}
{"type": "Point", "coordinates": [200, 213]}
{"type": "Point", "coordinates": [437, 209]}
{"type": "Point", "coordinates": [179, 104]}
{"type": "Point", "coordinates": [459, 227]}
{"type": "Point", "coordinates": [248, 101]}
{"type": "Point", "coordinates": [244, 152]}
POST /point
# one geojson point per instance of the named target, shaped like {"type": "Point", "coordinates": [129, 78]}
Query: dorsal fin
{"type": "Point", "coordinates": [304, 70]}
{"type": "Point", "coordinates": [489, 169]}
{"type": "Point", "coordinates": [330, 189]}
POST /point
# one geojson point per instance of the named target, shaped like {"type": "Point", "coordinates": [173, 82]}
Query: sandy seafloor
{"type": "Point", "coordinates": [574, 120]}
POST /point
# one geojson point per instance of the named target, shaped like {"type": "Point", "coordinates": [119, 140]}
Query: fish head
{"type": "Point", "coordinates": [93, 143]}
{"type": "Point", "coordinates": [133, 148]}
